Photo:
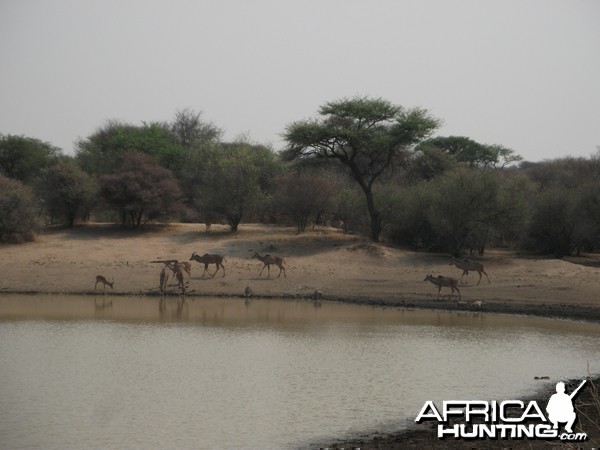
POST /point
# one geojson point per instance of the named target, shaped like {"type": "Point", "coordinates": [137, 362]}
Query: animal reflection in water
{"type": "Point", "coordinates": [101, 304]}
{"type": "Point", "coordinates": [174, 308]}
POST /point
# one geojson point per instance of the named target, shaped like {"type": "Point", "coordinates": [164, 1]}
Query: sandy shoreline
{"type": "Point", "coordinates": [550, 311]}
{"type": "Point", "coordinates": [344, 267]}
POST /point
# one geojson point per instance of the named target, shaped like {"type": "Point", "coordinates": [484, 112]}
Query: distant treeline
{"type": "Point", "coordinates": [363, 165]}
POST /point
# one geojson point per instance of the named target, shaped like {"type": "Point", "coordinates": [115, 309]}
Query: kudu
{"type": "Point", "coordinates": [207, 259]}
{"type": "Point", "coordinates": [267, 260]}
{"type": "Point", "coordinates": [441, 281]}
{"type": "Point", "coordinates": [467, 265]}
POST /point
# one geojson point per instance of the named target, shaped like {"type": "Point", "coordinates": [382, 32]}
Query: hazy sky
{"type": "Point", "coordinates": [521, 73]}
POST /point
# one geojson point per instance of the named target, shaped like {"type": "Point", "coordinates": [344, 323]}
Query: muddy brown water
{"type": "Point", "coordinates": [121, 372]}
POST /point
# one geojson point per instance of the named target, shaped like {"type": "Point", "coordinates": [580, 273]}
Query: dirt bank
{"type": "Point", "coordinates": [343, 267]}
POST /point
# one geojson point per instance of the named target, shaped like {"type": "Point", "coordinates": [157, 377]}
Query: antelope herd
{"type": "Point", "coordinates": [465, 265]}
{"type": "Point", "coordinates": [174, 270]}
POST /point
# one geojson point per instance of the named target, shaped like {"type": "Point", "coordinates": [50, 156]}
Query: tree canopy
{"type": "Point", "coordinates": [17, 209]}
{"type": "Point", "coordinates": [473, 153]}
{"type": "Point", "coordinates": [232, 180]}
{"type": "Point", "coordinates": [66, 191]}
{"type": "Point", "coordinates": [363, 164]}
{"type": "Point", "coordinates": [103, 151]}
{"type": "Point", "coordinates": [21, 158]}
{"type": "Point", "coordinates": [141, 190]}
{"type": "Point", "coordinates": [368, 136]}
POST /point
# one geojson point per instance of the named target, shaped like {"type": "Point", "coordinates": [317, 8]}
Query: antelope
{"type": "Point", "coordinates": [104, 281]}
{"type": "Point", "coordinates": [317, 298]}
{"type": "Point", "coordinates": [441, 281]}
{"type": "Point", "coordinates": [267, 260]}
{"type": "Point", "coordinates": [176, 265]}
{"type": "Point", "coordinates": [478, 303]}
{"type": "Point", "coordinates": [187, 268]}
{"type": "Point", "coordinates": [467, 265]}
{"type": "Point", "coordinates": [164, 280]}
{"type": "Point", "coordinates": [178, 274]}
{"type": "Point", "coordinates": [207, 259]}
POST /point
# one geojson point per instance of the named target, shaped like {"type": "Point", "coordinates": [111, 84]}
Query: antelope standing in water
{"type": "Point", "coordinates": [441, 281]}
{"type": "Point", "coordinates": [467, 265]}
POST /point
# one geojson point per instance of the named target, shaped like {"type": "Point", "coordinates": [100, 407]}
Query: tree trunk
{"type": "Point", "coordinates": [234, 221]}
{"type": "Point", "coordinates": [366, 187]}
{"type": "Point", "coordinates": [375, 216]}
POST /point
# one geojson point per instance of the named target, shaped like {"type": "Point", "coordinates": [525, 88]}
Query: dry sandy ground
{"type": "Point", "coordinates": [343, 267]}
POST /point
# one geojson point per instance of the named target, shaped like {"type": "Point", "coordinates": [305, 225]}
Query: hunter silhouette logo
{"type": "Point", "coordinates": [560, 407]}
{"type": "Point", "coordinates": [509, 419]}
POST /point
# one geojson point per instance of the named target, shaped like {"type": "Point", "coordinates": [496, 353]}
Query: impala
{"type": "Point", "coordinates": [104, 281]}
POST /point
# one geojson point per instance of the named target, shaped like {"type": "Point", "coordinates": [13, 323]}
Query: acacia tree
{"type": "Point", "coordinates": [188, 130]}
{"type": "Point", "coordinates": [368, 136]}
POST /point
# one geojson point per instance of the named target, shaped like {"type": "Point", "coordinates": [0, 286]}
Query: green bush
{"type": "Point", "coordinates": [17, 211]}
